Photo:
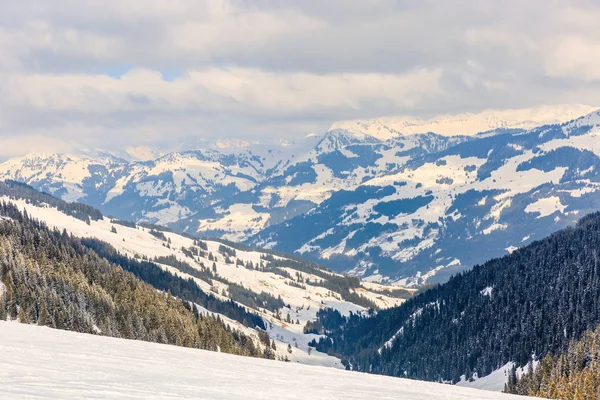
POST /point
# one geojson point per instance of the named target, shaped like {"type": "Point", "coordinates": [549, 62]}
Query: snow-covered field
{"type": "Point", "coordinates": [466, 123]}
{"type": "Point", "coordinates": [41, 363]}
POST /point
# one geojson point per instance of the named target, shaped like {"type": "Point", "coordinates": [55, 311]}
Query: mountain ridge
{"type": "Point", "coordinates": [467, 123]}
{"type": "Point", "coordinates": [389, 200]}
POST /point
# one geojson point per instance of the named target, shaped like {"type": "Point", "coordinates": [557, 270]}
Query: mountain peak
{"type": "Point", "coordinates": [466, 123]}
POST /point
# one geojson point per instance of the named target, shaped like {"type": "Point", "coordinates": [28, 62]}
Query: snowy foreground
{"type": "Point", "coordinates": [37, 362]}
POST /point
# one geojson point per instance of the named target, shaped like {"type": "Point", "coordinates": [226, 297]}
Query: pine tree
{"type": "Point", "coordinates": [43, 318]}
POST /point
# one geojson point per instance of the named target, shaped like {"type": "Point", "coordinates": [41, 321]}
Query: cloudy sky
{"type": "Point", "coordinates": [116, 73]}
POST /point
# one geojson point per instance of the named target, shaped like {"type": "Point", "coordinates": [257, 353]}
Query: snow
{"type": "Point", "coordinates": [466, 123]}
{"type": "Point", "coordinates": [40, 363]}
{"type": "Point", "coordinates": [511, 249]}
{"type": "Point", "coordinates": [143, 153]}
{"type": "Point", "coordinates": [582, 190]}
{"type": "Point", "coordinates": [172, 213]}
{"type": "Point", "coordinates": [116, 190]}
{"type": "Point", "coordinates": [205, 170]}
{"type": "Point", "coordinates": [424, 178]}
{"type": "Point", "coordinates": [494, 227]}
{"type": "Point", "coordinates": [494, 381]}
{"type": "Point", "coordinates": [388, 344]}
{"type": "Point", "coordinates": [412, 318]}
{"type": "Point", "coordinates": [430, 274]}
{"type": "Point", "coordinates": [487, 291]}
{"type": "Point", "coordinates": [545, 207]}
{"type": "Point", "coordinates": [67, 171]}
{"type": "Point", "coordinates": [239, 218]}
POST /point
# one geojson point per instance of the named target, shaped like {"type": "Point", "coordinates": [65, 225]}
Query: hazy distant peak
{"type": "Point", "coordinates": [466, 123]}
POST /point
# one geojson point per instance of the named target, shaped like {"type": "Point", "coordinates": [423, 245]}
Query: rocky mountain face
{"type": "Point", "coordinates": [395, 205]}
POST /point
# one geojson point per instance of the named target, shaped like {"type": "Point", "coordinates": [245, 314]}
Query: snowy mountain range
{"type": "Point", "coordinates": [467, 123]}
{"type": "Point", "coordinates": [397, 199]}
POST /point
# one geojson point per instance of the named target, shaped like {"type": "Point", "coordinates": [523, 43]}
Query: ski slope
{"type": "Point", "coordinates": [42, 363]}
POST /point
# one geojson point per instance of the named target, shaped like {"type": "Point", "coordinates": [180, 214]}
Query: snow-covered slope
{"type": "Point", "coordinates": [467, 123]}
{"type": "Point", "coordinates": [164, 190]}
{"type": "Point", "coordinates": [42, 363]}
{"type": "Point", "coordinates": [302, 292]}
{"type": "Point", "coordinates": [498, 378]}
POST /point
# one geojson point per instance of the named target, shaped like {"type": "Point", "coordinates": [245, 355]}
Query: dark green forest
{"type": "Point", "coordinates": [534, 301]}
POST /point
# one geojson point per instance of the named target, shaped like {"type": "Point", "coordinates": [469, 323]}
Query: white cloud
{"type": "Point", "coordinates": [14, 146]}
{"type": "Point", "coordinates": [235, 90]}
{"type": "Point", "coordinates": [142, 107]}
{"type": "Point", "coordinates": [116, 72]}
{"type": "Point", "coordinates": [575, 57]}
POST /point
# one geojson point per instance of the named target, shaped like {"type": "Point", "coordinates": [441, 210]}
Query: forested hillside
{"type": "Point", "coordinates": [23, 191]}
{"type": "Point", "coordinates": [572, 375]}
{"type": "Point", "coordinates": [534, 301]}
{"type": "Point", "coordinates": [50, 278]}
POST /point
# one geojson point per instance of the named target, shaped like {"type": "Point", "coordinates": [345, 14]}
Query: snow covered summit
{"type": "Point", "coordinates": [465, 123]}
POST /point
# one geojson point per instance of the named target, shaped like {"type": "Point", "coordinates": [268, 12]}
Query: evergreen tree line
{"type": "Point", "coordinates": [185, 289]}
{"type": "Point", "coordinates": [128, 224]}
{"type": "Point", "coordinates": [572, 375]}
{"type": "Point", "coordinates": [344, 285]}
{"type": "Point", "coordinates": [328, 320]}
{"type": "Point", "coordinates": [25, 192]}
{"type": "Point", "coordinates": [254, 300]}
{"type": "Point", "coordinates": [533, 301]}
{"type": "Point", "coordinates": [237, 293]}
{"type": "Point", "coordinates": [52, 279]}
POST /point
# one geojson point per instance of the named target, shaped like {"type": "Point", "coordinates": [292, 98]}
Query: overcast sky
{"type": "Point", "coordinates": [116, 73]}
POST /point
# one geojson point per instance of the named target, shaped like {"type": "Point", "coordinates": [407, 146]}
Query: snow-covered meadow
{"type": "Point", "coordinates": [42, 363]}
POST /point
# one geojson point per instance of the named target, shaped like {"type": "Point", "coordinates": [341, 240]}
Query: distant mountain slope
{"type": "Point", "coordinates": [400, 208]}
{"type": "Point", "coordinates": [452, 209]}
{"type": "Point", "coordinates": [467, 123]}
{"type": "Point", "coordinates": [532, 302]}
{"type": "Point", "coordinates": [39, 363]}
